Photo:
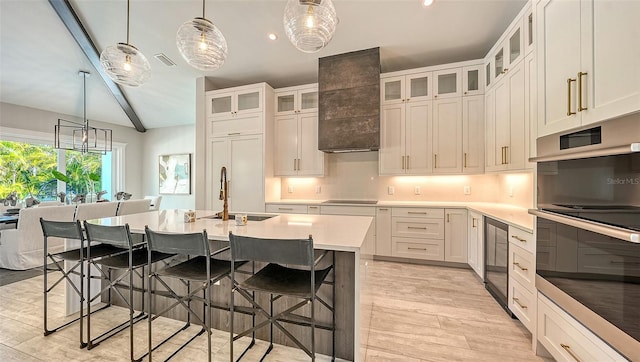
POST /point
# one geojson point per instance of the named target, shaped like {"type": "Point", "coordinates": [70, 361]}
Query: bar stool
{"type": "Point", "coordinates": [299, 279]}
{"type": "Point", "coordinates": [134, 258]}
{"type": "Point", "coordinates": [77, 256]}
{"type": "Point", "coordinates": [201, 267]}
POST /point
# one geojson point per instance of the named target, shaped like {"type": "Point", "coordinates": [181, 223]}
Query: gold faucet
{"type": "Point", "coordinates": [224, 189]}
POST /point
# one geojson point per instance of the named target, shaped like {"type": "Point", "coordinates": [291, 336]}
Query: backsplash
{"type": "Point", "coordinates": [355, 176]}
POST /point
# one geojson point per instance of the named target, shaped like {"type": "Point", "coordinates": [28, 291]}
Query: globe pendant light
{"type": "Point", "coordinates": [124, 63]}
{"type": "Point", "coordinates": [201, 43]}
{"type": "Point", "coordinates": [310, 24]}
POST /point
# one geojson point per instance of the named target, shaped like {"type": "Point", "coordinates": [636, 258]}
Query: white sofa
{"type": "Point", "coordinates": [23, 247]}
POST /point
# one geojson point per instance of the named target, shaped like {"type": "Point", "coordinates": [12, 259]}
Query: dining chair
{"type": "Point", "coordinates": [201, 266]}
{"type": "Point", "coordinates": [130, 262]}
{"type": "Point", "coordinates": [291, 270]}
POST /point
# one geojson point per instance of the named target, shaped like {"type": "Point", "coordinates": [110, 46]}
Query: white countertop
{"type": "Point", "coordinates": [329, 232]}
{"type": "Point", "coordinates": [513, 215]}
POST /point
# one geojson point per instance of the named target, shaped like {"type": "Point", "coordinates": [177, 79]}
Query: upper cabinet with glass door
{"type": "Point", "coordinates": [472, 80]}
{"type": "Point", "coordinates": [299, 99]}
{"type": "Point", "coordinates": [232, 102]}
{"type": "Point", "coordinates": [406, 88]}
{"type": "Point", "coordinates": [510, 51]}
{"type": "Point", "coordinates": [447, 83]}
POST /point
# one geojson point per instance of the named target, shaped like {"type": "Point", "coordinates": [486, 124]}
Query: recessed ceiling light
{"type": "Point", "coordinates": [427, 2]}
{"type": "Point", "coordinates": [272, 36]}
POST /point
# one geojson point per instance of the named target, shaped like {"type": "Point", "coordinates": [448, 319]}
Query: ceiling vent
{"type": "Point", "coordinates": [165, 60]}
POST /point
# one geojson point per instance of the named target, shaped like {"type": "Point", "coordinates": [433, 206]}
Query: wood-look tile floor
{"type": "Point", "coordinates": [417, 313]}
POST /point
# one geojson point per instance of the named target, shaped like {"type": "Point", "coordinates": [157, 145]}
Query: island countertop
{"type": "Point", "coordinates": [329, 232]}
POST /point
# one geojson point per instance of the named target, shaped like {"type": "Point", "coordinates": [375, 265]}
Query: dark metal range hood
{"type": "Point", "coordinates": [349, 102]}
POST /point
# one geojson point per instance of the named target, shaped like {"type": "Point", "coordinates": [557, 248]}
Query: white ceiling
{"type": "Point", "coordinates": [39, 60]}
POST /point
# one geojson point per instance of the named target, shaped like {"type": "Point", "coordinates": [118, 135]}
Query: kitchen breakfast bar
{"type": "Point", "coordinates": [346, 235]}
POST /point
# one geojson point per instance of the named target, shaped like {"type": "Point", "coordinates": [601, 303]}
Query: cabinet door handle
{"type": "Point", "coordinates": [410, 248]}
{"type": "Point", "coordinates": [408, 99]}
{"type": "Point", "coordinates": [313, 207]}
{"type": "Point", "coordinates": [408, 162]}
{"type": "Point", "coordinates": [294, 165]}
{"type": "Point", "coordinates": [448, 217]}
{"type": "Point", "coordinates": [417, 212]}
{"type": "Point", "coordinates": [383, 209]}
{"type": "Point", "coordinates": [473, 222]}
{"type": "Point", "coordinates": [299, 164]}
{"type": "Point", "coordinates": [403, 162]}
{"type": "Point", "coordinates": [520, 266]}
{"type": "Point", "coordinates": [465, 159]}
{"type": "Point", "coordinates": [416, 228]}
{"type": "Point", "coordinates": [567, 348]}
{"type": "Point", "coordinates": [580, 108]}
{"type": "Point", "coordinates": [435, 161]}
{"type": "Point", "coordinates": [502, 155]}
{"type": "Point", "coordinates": [506, 155]}
{"type": "Point", "coordinates": [233, 134]}
{"type": "Point", "coordinates": [517, 301]}
{"type": "Point", "coordinates": [519, 238]}
{"type": "Point", "coordinates": [569, 81]}
{"type": "Point", "coordinates": [285, 208]}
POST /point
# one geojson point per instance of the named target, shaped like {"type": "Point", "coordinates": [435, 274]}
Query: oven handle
{"type": "Point", "coordinates": [595, 227]}
{"type": "Point", "coordinates": [618, 150]}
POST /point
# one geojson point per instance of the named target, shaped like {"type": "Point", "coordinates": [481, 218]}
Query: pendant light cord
{"type": "Point", "coordinates": [203, 9]}
{"type": "Point", "coordinates": [128, 5]}
{"type": "Point", "coordinates": [84, 101]}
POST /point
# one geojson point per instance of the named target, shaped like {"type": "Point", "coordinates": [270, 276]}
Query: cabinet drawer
{"type": "Point", "coordinates": [417, 212]}
{"type": "Point", "coordinates": [522, 303]}
{"type": "Point", "coordinates": [286, 209]}
{"type": "Point", "coordinates": [428, 249]}
{"type": "Point", "coordinates": [521, 238]}
{"type": "Point", "coordinates": [236, 125]}
{"type": "Point", "coordinates": [417, 228]}
{"type": "Point", "coordinates": [521, 267]}
{"type": "Point", "coordinates": [313, 209]}
{"type": "Point", "coordinates": [348, 210]}
{"type": "Point", "coordinates": [566, 339]}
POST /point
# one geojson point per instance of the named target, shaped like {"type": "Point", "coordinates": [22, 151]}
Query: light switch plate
{"type": "Point", "coordinates": [318, 189]}
{"type": "Point", "coordinates": [417, 190]}
{"type": "Point", "coordinates": [290, 189]}
{"type": "Point", "coordinates": [467, 190]}
{"type": "Point", "coordinates": [391, 190]}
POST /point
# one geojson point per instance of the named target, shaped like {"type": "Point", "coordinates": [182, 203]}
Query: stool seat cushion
{"type": "Point", "coordinates": [195, 269]}
{"type": "Point", "coordinates": [139, 257]}
{"type": "Point", "coordinates": [97, 251]}
{"type": "Point", "coordinates": [278, 279]}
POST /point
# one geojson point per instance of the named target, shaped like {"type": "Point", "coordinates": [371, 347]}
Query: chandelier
{"type": "Point", "coordinates": [201, 43]}
{"type": "Point", "coordinates": [310, 24]}
{"type": "Point", "coordinates": [81, 137]}
{"type": "Point", "coordinates": [124, 63]}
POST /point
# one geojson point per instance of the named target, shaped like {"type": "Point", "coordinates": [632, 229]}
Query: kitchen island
{"type": "Point", "coordinates": [342, 234]}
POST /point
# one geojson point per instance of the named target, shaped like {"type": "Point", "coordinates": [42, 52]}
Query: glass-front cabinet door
{"type": "Point", "coordinates": [299, 99]}
{"type": "Point", "coordinates": [529, 32]}
{"type": "Point", "coordinates": [487, 74]}
{"type": "Point", "coordinates": [392, 90]}
{"type": "Point", "coordinates": [515, 45]}
{"type": "Point", "coordinates": [308, 100]}
{"type": "Point", "coordinates": [447, 83]}
{"type": "Point", "coordinates": [472, 80]}
{"type": "Point", "coordinates": [220, 104]}
{"type": "Point", "coordinates": [285, 102]}
{"type": "Point", "coordinates": [498, 63]}
{"type": "Point", "coordinates": [418, 87]}
{"type": "Point", "coordinates": [249, 100]}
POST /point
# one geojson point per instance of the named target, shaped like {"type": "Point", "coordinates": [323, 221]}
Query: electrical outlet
{"type": "Point", "coordinates": [290, 189]}
{"type": "Point", "coordinates": [511, 191]}
{"type": "Point", "coordinates": [391, 190]}
{"type": "Point", "coordinates": [416, 190]}
{"type": "Point", "coordinates": [467, 190]}
{"type": "Point", "coordinates": [318, 189]}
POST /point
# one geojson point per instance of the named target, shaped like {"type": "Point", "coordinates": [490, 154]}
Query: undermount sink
{"type": "Point", "coordinates": [249, 217]}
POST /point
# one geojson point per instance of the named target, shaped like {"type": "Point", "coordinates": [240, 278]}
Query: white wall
{"type": "Point", "coordinates": [37, 120]}
{"type": "Point", "coordinates": [165, 141]}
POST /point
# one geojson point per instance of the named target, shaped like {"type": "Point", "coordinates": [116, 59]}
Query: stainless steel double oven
{"type": "Point", "coordinates": [588, 228]}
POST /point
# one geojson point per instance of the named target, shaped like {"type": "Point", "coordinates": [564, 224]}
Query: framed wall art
{"type": "Point", "coordinates": [175, 174]}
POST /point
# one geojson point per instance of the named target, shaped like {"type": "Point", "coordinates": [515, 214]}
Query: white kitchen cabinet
{"type": "Point", "coordinates": [475, 243]}
{"type": "Point", "coordinates": [295, 100]}
{"type": "Point", "coordinates": [472, 131]}
{"type": "Point", "coordinates": [286, 208]}
{"type": "Point", "coordinates": [587, 62]}
{"type": "Point", "coordinates": [383, 231]}
{"type": "Point", "coordinates": [472, 80]}
{"type": "Point", "coordinates": [417, 233]}
{"type": "Point", "coordinates": [447, 83]}
{"type": "Point", "coordinates": [447, 136]}
{"type": "Point", "coordinates": [296, 146]}
{"type": "Point", "coordinates": [510, 50]}
{"type": "Point", "coordinates": [529, 27]}
{"type": "Point", "coordinates": [234, 102]}
{"type": "Point", "coordinates": [506, 130]}
{"type": "Point", "coordinates": [245, 172]}
{"type": "Point", "coordinates": [455, 235]}
{"type": "Point", "coordinates": [404, 131]}
{"type": "Point", "coordinates": [412, 87]}
{"type": "Point", "coordinates": [522, 270]}
{"type": "Point", "coordinates": [568, 340]}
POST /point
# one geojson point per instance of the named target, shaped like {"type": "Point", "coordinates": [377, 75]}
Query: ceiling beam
{"type": "Point", "coordinates": [74, 25]}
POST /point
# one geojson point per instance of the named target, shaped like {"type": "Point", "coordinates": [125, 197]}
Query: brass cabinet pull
{"type": "Point", "coordinates": [285, 208]}
{"type": "Point", "coordinates": [473, 222]}
{"type": "Point", "coordinates": [518, 238]}
{"type": "Point", "coordinates": [580, 108]}
{"type": "Point", "coordinates": [517, 301]}
{"type": "Point", "coordinates": [569, 80]}
{"type": "Point", "coordinates": [298, 164]}
{"type": "Point", "coordinates": [448, 217]}
{"type": "Point", "coordinates": [568, 349]}
{"type": "Point", "coordinates": [313, 207]}
{"type": "Point", "coordinates": [506, 155]}
{"type": "Point", "coordinates": [410, 248]}
{"type": "Point", "coordinates": [417, 212]}
{"type": "Point", "coordinates": [294, 165]}
{"type": "Point", "coordinates": [233, 134]}
{"type": "Point", "coordinates": [385, 209]}
{"type": "Point", "coordinates": [403, 162]}
{"type": "Point", "coordinates": [465, 160]}
{"type": "Point", "coordinates": [416, 228]}
{"type": "Point", "coordinates": [435, 161]}
{"type": "Point", "coordinates": [520, 266]}
{"type": "Point", "coordinates": [408, 162]}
